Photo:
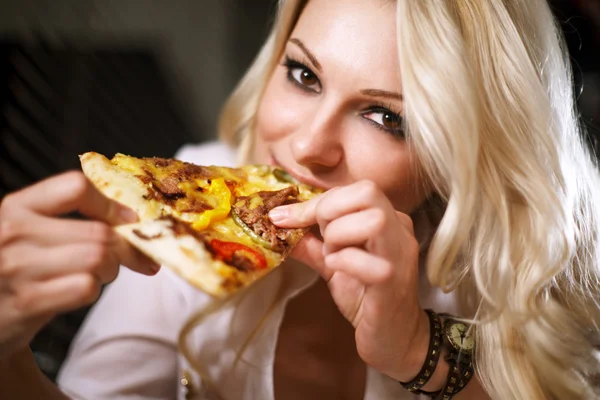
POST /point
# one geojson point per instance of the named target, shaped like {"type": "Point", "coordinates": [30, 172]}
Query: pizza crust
{"type": "Point", "coordinates": [119, 185]}
{"type": "Point", "coordinates": [182, 253]}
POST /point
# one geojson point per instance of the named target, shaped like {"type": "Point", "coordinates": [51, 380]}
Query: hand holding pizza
{"type": "Point", "coordinates": [50, 265]}
{"type": "Point", "coordinates": [369, 257]}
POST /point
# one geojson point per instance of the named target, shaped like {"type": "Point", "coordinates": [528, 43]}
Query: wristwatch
{"type": "Point", "coordinates": [460, 343]}
{"type": "Point", "coordinates": [460, 338]}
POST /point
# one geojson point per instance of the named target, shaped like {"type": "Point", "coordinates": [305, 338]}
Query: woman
{"type": "Point", "coordinates": [457, 113]}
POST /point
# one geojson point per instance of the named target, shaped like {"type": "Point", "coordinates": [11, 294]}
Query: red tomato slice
{"type": "Point", "coordinates": [226, 251]}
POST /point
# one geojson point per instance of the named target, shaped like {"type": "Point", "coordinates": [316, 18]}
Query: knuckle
{"type": "Point", "coordinates": [99, 231]}
{"type": "Point", "coordinates": [377, 220]}
{"type": "Point", "coordinates": [24, 300]}
{"type": "Point", "coordinates": [95, 256]}
{"type": "Point", "coordinates": [322, 212]}
{"type": "Point", "coordinates": [367, 353]}
{"type": "Point", "coordinates": [368, 189]}
{"type": "Point", "coordinates": [320, 209]}
{"type": "Point", "coordinates": [407, 221]}
{"type": "Point", "coordinates": [89, 289]}
{"type": "Point", "coordinates": [9, 267]}
{"type": "Point", "coordinates": [112, 273]}
{"type": "Point", "coordinates": [330, 192]}
{"type": "Point", "coordinates": [10, 230]}
{"type": "Point", "coordinates": [386, 272]}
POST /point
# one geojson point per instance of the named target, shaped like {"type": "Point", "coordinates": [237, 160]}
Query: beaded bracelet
{"type": "Point", "coordinates": [433, 355]}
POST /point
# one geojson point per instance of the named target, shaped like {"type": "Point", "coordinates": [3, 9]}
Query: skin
{"type": "Point", "coordinates": [50, 265]}
{"type": "Point", "coordinates": [323, 129]}
{"type": "Point", "coordinates": [326, 130]}
{"type": "Point", "coordinates": [326, 134]}
{"type": "Point", "coordinates": [317, 120]}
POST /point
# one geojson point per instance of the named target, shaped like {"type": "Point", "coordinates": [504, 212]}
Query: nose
{"type": "Point", "coordinates": [318, 142]}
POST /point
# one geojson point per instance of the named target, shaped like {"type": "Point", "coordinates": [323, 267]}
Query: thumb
{"type": "Point", "coordinates": [309, 251]}
{"type": "Point", "coordinates": [134, 259]}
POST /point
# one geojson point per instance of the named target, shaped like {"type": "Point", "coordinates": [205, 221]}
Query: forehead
{"type": "Point", "coordinates": [353, 37]}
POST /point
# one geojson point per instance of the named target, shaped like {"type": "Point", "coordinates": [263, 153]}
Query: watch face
{"type": "Point", "coordinates": [457, 334]}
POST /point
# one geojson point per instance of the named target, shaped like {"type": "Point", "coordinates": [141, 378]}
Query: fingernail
{"type": "Point", "coordinates": [279, 214]}
{"type": "Point", "coordinates": [154, 267]}
{"type": "Point", "coordinates": [128, 215]}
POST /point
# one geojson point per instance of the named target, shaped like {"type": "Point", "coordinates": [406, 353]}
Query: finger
{"type": "Point", "coordinates": [365, 267]}
{"type": "Point", "coordinates": [39, 264]}
{"type": "Point", "coordinates": [406, 221]}
{"type": "Point", "coordinates": [353, 229]}
{"type": "Point", "coordinates": [62, 294]}
{"type": "Point", "coordinates": [330, 205]}
{"type": "Point", "coordinates": [299, 215]}
{"type": "Point", "coordinates": [135, 260]}
{"type": "Point", "coordinates": [50, 231]}
{"type": "Point", "coordinates": [310, 252]}
{"type": "Point", "coordinates": [26, 263]}
{"type": "Point", "coordinates": [68, 192]}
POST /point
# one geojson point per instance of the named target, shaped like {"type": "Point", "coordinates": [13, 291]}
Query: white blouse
{"type": "Point", "coordinates": [127, 347]}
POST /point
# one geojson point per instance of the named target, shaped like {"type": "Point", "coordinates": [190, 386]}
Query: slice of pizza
{"type": "Point", "coordinates": [209, 224]}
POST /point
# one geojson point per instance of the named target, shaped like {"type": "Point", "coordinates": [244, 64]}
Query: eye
{"type": "Point", "coordinates": [302, 76]}
{"type": "Point", "coordinates": [385, 119]}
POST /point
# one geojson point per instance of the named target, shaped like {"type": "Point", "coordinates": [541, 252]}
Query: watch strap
{"type": "Point", "coordinates": [458, 377]}
{"type": "Point", "coordinates": [433, 355]}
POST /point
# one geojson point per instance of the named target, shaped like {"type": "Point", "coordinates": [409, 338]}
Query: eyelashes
{"type": "Point", "coordinates": [302, 76]}
{"type": "Point", "coordinates": [382, 117]}
{"type": "Point", "coordinates": [379, 115]}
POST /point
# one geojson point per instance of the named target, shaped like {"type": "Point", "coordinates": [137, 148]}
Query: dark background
{"type": "Point", "coordinates": [145, 77]}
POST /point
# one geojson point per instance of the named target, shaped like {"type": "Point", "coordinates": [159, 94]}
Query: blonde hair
{"type": "Point", "coordinates": [237, 117]}
{"type": "Point", "coordinates": [489, 109]}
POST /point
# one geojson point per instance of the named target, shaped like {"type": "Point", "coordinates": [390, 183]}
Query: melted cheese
{"type": "Point", "coordinates": [212, 192]}
{"type": "Point", "coordinates": [199, 189]}
{"type": "Point", "coordinates": [255, 202]}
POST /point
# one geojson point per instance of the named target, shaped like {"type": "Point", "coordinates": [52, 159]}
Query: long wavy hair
{"type": "Point", "coordinates": [489, 111]}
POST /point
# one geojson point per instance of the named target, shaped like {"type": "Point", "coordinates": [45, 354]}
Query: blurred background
{"type": "Point", "coordinates": [145, 77]}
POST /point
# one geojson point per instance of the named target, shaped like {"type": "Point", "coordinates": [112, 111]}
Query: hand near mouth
{"type": "Point", "coordinates": [368, 254]}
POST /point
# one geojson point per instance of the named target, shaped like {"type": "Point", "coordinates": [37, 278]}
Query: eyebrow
{"type": "Point", "coordinates": [382, 93]}
{"type": "Point", "coordinates": [366, 92]}
{"type": "Point", "coordinates": [307, 52]}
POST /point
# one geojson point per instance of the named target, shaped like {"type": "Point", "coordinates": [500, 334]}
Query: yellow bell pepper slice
{"type": "Point", "coordinates": [218, 188]}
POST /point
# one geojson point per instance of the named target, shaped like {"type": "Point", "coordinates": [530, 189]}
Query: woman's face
{"type": "Point", "coordinates": [331, 112]}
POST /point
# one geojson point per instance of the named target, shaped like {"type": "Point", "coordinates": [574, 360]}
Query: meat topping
{"type": "Point", "coordinates": [255, 216]}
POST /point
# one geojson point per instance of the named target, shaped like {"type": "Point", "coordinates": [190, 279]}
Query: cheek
{"type": "Point", "coordinates": [409, 190]}
{"type": "Point", "coordinates": [394, 172]}
{"type": "Point", "coordinates": [278, 113]}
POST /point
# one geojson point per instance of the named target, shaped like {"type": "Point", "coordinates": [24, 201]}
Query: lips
{"type": "Point", "coordinates": [296, 175]}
